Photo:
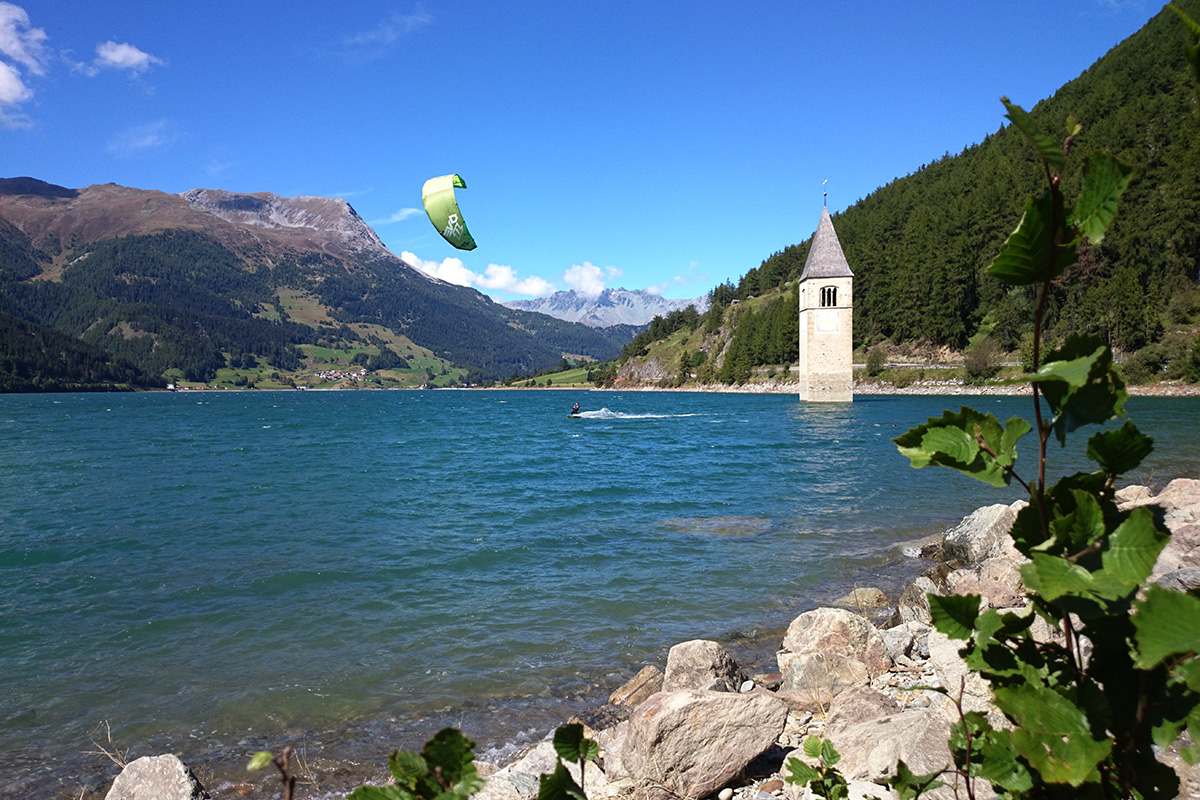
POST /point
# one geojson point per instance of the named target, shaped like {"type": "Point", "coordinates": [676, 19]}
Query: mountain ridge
{"type": "Point", "coordinates": [264, 278]}
{"type": "Point", "coordinates": [610, 307]}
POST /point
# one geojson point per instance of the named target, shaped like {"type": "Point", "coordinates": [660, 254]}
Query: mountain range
{"type": "Point", "coordinates": [184, 285]}
{"type": "Point", "coordinates": [610, 307]}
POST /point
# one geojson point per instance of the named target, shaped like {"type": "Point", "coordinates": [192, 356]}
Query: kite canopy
{"type": "Point", "coordinates": [442, 208]}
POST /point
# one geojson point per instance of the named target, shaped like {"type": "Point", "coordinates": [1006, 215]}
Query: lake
{"type": "Point", "coordinates": [211, 573]}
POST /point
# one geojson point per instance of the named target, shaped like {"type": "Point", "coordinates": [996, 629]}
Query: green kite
{"type": "Point", "coordinates": [442, 208]}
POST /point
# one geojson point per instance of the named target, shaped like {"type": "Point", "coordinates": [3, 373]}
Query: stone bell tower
{"type": "Point", "coordinates": [826, 319]}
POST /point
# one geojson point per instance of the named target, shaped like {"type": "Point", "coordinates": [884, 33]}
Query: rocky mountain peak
{"type": "Point", "coordinates": [329, 215]}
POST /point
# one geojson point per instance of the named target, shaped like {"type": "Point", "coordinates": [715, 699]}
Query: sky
{"type": "Point", "coordinates": [659, 144]}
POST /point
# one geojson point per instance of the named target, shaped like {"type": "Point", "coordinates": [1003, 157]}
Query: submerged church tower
{"type": "Point", "coordinates": [826, 319]}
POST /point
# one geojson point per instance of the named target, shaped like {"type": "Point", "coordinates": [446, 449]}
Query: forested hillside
{"type": "Point", "coordinates": [918, 245]}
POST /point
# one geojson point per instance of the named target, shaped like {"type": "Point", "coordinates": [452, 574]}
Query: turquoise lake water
{"type": "Point", "coordinates": [209, 572]}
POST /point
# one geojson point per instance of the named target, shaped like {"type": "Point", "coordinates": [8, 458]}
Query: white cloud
{"type": "Point", "coordinates": [141, 138]}
{"type": "Point", "coordinates": [20, 47]}
{"type": "Point", "coordinates": [501, 278]}
{"type": "Point", "coordinates": [450, 270]}
{"type": "Point", "coordinates": [399, 216]}
{"type": "Point", "coordinates": [19, 42]}
{"type": "Point", "coordinates": [111, 55]}
{"type": "Point", "coordinates": [496, 278]}
{"type": "Point", "coordinates": [12, 89]}
{"type": "Point", "coordinates": [588, 279]}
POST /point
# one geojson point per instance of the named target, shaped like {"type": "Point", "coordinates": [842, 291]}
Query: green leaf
{"type": "Point", "coordinates": [559, 786]}
{"type": "Point", "coordinates": [1080, 385]}
{"type": "Point", "coordinates": [571, 745]}
{"type": "Point", "coordinates": [999, 763]}
{"type": "Point", "coordinates": [1133, 548]}
{"type": "Point", "coordinates": [1052, 734]}
{"type": "Point", "coordinates": [1104, 181]}
{"type": "Point", "coordinates": [800, 773]}
{"type": "Point", "coordinates": [1053, 577]}
{"type": "Point", "coordinates": [1121, 450]}
{"type": "Point", "coordinates": [812, 746]}
{"type": "Point", "coordinates": [1167, 624]}
{"type": "Point", "coordinates": [954, 615]}
{"type": "Point", "coordinates": [1050, 151]}
{"type": "Point", "coordinates": [1074, 373]}
{"type": "Point", "coordinates": [1028, 256]}
{"type": "Point", "coordinates": [829, 756]}
{"type": "Point", "coordinates": [453, 754]}
{"type": "Point", "coordinates": [378, 793]}
{"type": "Point", "coordinates": [953, 440]}
{"type": "Point", "coordinates": [908, 786]}
{"type": "Point", "coordinates": [1085, 524]}
{"type": "Point", "coordinates": [261, 759]}
{"type": "Point", "coordinates": [1188, 671]}
{"type": "Point", "coordinates": [407, 767]}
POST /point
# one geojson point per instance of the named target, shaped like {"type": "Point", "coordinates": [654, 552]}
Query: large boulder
{"type": "Point", "coordinates": [702, 664]}
{"type": "Point", "coordinates": [830, 649]}
{"type": "Point", "coordinates": [913, 605]}
{"type": "Point", "coordinates": [871, 749]}
{"type": "Point", "coordinates": [156, 778]}
{"type": "Point", "coordinates": [982, 534]}
{"type": "Point", "coordinates": [688, 744]}
{"type": "Point", "coordinates": [954, 675]}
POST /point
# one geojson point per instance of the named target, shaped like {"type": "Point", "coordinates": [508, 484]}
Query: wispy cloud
{"type": "Point", "coordinates": [22, 47]}
{"type": "Point", "coordinates": [19, 42]}
{"type": "Point", "coordinates": [112, 55]}
{"type": "Point", "coordinates": [399, 216]}
{"type": "Point", "coordinates": [496, 277]}
{"type": "Point", "coordinates": [691, 276]}
{"type": "Point", "coordinates": [381, 39]}
{"type": "Point", "coordinates": [139, 139]}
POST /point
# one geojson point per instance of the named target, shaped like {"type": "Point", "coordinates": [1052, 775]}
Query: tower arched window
{"type": "Point", "coordinates": [828, 296]}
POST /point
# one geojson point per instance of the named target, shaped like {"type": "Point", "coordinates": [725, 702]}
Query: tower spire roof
{"type": "Point", "coordinates": [825, 256]}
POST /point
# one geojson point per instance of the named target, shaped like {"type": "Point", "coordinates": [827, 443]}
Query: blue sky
{"type": "Point", "coordinates": [653, 145]}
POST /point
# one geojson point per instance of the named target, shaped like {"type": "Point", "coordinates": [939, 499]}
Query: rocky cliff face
{"type": "Point", "coordinates": [331, 218]}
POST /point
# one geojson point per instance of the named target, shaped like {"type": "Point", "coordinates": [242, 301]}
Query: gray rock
{"type": "Point", "coordinates": [993, 593]}
{"type": "Point", "coordinates": [542, 759]}
{"type": "Point", "coordinates": [156, 778]}
{"type": "Point", "coordinates": [690, 743]}
{"type": "Point", "coordinates": [857, 705]}
{"type": "Point", "coordinates": [806, 701]}
{"type": "Point", "coordinates": [871, 749]}
{"type": "Point", "coordinates": [953, 674]}
{"type": "Point", "coordinates": [831, 648]}
{"type": "Point", "coordinates": [501, 787]}
{"type": "Point", "coordinates": [635, 691]}
{"type": "Point", "coordinates": [1134, 493]}
{"type": "Point", "coordinates": [702, 664]}
{"type": "Point", "coordinates": [913, 605]}
{"type": "Point", "coordinates": [981, 534]}
{"type": "Point", "coordinates": [868, 597]}
{"type": "Point", "coordinates": [1181, 580]}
